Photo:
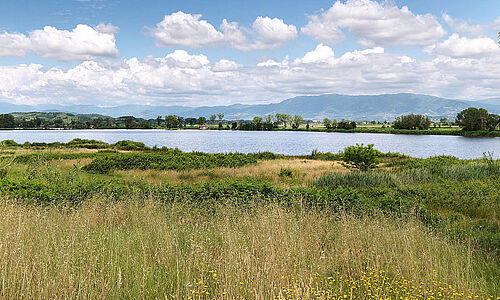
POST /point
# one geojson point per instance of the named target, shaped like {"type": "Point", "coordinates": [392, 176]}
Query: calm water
{"type": "Point", "coordinates": [291, 143]}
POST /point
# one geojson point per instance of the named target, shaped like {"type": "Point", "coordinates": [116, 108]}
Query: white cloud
{"type": "Point", "coordinates": [273, 32]}
{"type": "Point", "coordinates": [107, 28]}
{"type": "Point", "coordinates": [187, 30]}
{"type": "Point", "coordinates": [322, 53]}
{"type": "Point", "coordinates": [373, 23]}
{"type": "Point", "coordinates": [225, 65]}
{"type": "Point", "coordinates": [13, 44]}
{"type": "Point", "coordinates": [180, 29]}
{"type": "Point", "coordinates": [463, 27]}
{"type": "Point", "coordinates": [191, 79]}
{"type": "Point", "coordinates": [456, 46]}
{"type": "Point", "coordinates": [81, 43]}
{"type": "Point", "coordinates": [182, 59]}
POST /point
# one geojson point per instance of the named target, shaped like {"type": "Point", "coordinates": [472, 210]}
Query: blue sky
{"type": "Point", "coordinates": [132, 51]}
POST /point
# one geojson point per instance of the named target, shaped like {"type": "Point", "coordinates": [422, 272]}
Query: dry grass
{"type": "Point", "coordinates": [303, 170]}
{"type": "Point", "coordinates": [133, 250]}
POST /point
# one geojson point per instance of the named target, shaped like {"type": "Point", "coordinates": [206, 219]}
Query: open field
{"type": "Point", "coordinates": [263, 227]}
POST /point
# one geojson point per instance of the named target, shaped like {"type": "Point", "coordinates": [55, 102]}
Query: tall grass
{"type": "Point", "coordinates": [433, 173]}
{"type": "Point", "coordinates": [139, 249]}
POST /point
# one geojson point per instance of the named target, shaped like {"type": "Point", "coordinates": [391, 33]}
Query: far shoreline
{"type": "Point", "coordinates": [486, 134]}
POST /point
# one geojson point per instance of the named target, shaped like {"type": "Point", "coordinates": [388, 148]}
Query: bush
{"type": "Point", "coordinates": [130, 145]}
{"type": "Point", "coordinates": [360, 157]}
{"type": "Point", "coordinates": [9, 143]}
{"type": "Point", "coordinates": [172, 159]}
{"type": "Point", "coordinates": [286, 172]}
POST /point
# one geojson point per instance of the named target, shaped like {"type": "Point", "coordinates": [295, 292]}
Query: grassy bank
{"type": "Point", "coordinates": [161, 223]}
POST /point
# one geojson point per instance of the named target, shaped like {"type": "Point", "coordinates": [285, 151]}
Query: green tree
{"type": "Point", "coordinates": [158, 120]}
{"type": "Point", "coordinates": [492, 122]}
{"type": "Point", "coordinates": [472, 119]}
{"type": "Point", "coordinates": [212, 119]}
{"type": "Point", "coordinates": [180, 121]}
{"type": "Point", "coordinates": [202, 121]}
{"type": "Point", "coordinates": [221, 118]}
{"type": "Point", "coordinates": [171, 121]}
{"type": "Point", "coordinates": [257, 121]}
{"type": "Point", "coordinates": [297, 121]}
{"type": "Point", "coordinates": [360, 157]}
{"type": "Point", "coordinates": [191, 121]}
{"type": "Point", "coordinates": [328, 123]}
{"type": "Point", "coordinates": [412, 122]}
{"type": "Point", "coordinates": [7, 121]}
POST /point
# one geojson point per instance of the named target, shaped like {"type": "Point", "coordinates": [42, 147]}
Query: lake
{"type": "Point", "coordinates": [283, 142]}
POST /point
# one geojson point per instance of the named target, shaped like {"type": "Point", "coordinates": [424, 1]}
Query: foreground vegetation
{"type": "Point", "coordinates": [86, 219]}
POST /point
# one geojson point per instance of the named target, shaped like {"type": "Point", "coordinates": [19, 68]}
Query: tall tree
{"type": "Point", "coordinates": [472, 119]}
{"type": "Point", "coordinates": [7, 121]}
{"type": "Point", "coordinates": [202, 121]}
{"type": "Point", "coordinates": [297, 121]}
{"type": "Point", "coordinates": [171, 121]}
{"type": "Point", "coordinates": [212, 119]}
{"type": "Point", "coordinates": [221, 118]}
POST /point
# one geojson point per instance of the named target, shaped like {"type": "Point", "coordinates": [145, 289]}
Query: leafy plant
{"type": "Point", "coordinates": [286, 172]}
{"type": "Point", "coordinates": [360, 157]}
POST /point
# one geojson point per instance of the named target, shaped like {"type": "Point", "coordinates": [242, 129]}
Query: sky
{"type": "Point", "coordinates": [220, 52]}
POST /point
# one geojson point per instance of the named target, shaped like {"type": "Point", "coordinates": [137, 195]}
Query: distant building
{"type": "Point", "coordinates": [203, 127]}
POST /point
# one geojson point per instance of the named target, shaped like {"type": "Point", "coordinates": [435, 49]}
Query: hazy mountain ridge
{"type": "Point", "coordinates": [364, 107]}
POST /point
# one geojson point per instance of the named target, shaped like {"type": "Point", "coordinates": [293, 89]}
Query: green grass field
{"type": "Point", "coordinates": [258, 226]}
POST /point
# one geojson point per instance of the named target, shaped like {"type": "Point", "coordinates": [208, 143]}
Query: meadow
{"type": "Point", "coordinates": [86, 219]}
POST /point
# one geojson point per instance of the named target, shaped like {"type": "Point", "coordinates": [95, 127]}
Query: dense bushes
{"type": "Point", "coordinates": [172, 159]}
{"type": "Point", "coordinates": [130, 145]}
{"type": "Point", "coordinates": [412, 122]}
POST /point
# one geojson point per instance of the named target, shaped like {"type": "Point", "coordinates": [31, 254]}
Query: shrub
{"type": "Point", "coordinates": [171, 159]}
{"type": "Point", "coordinates": [9, 143]}
{"type": "Point", "coordinates": [360, 157]}
{"type": "Point", "coordinates": [286, 172]}
{"type": "Point", "coordinates": [130, 145]}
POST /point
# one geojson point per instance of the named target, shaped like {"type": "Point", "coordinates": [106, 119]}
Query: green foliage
{"type": "Point", "coordinates": [171, 159]}
{"type": "Point", "coordinates": [473, 119]}
{"type": "Point", "coordinates": [88, 144]}
{"type": "Point", "coordinates": [412, 122]}
{"type": "Point", "coordinates": [286, 172]}
{"type": "Point", "coordinates": [171, 121]}
{"type": "Point", "coordinates": [328, 123]}
{"type": "Point", "coordinates": [7, 121]}
{"type": "Point", "coordinates": [130, 146]}
{"type": "Point", "coordinates": [360, 157]}
{"type": "Point", "coordinates": [9, 144]}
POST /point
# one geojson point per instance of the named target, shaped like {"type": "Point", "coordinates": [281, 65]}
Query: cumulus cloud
{"type": "Point", "coordinates": [322, 53]}
{"type": "Point", "coordinates": [181, 77]}
{"type": "Point", "coordinates": [456, 46]}
{"type": "Point", "coordinates": [225, 65]}
{"type": "Point", "coordinates": [463, 27]}
{"type": "Point", "coordinates": [81, 43]}
{"type": "Point", "coordinates": [374, 23]}
{"type": "Point", "coordinates": [187, 30]}
{"type": "Point", "coordinates": [180, 29]}
{"type": "Point", "coordinates": [273, 32]}
{"type": "Point", "coordinates": [13, 44]}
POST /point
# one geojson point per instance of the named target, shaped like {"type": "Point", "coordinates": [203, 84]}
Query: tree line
{"type": "Point", "coordinates": [470, 119]}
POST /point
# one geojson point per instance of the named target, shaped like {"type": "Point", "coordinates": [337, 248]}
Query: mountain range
{"type": "Point", "coordinates": [334, 106]}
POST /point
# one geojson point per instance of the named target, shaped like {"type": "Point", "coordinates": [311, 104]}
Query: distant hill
{"type": "Point", "coordinates": [334, 106]}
